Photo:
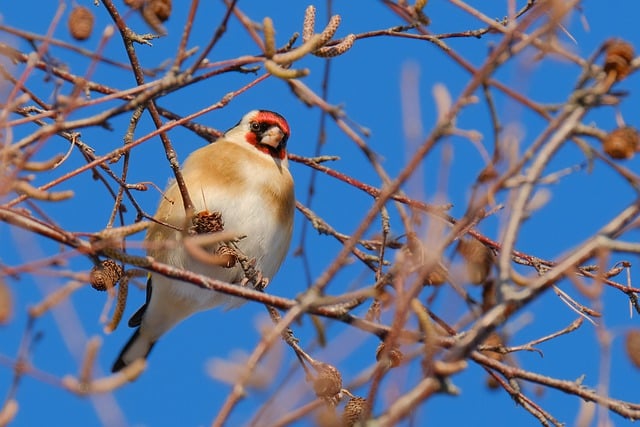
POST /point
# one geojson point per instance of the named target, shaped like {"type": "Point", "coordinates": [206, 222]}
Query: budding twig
{"type": "Point", "coordinates": [106, 384]}
{"type": "Point", "coordinates": [8, 412]}
{"type": "Point", "coordinates": [24, 188]}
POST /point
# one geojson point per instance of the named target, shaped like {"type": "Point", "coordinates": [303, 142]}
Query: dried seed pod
{"type": "Point", "coordinates": [493, 340]}
{"type": "Point", "coordinates": [437, 276]}
{"type": "Point", "coordinates": [105, 276]}
{"type": "Point", "coordinates": [618, 57]}
{"type": "Point", "coordinates": [632, 345]}
{"type": "Point", "coordinates": [621, 143]}
{"type": "Point", "coordinates": [6, 303]}
{"type": "Point", "coordinates": [80, 23]}
{"type": "Point", "coordinates": [207, 222]}
{"type": "Point", "coordinates": [134, 4]}
{"type": "Point", "coordinates": [478, 257]}
{"type": "Point", "coordinates": [492, 383]}
{"type": "Point", "coordinates": [353, 411]}
{"type": "Point", "coordinates": [161, 9]}
{"type": "Point", "coordinates": [155, 12]}
{"type": "Point", "coordinates": [328, 383]}
{"type": "Point", "coordinates": [393, 356]}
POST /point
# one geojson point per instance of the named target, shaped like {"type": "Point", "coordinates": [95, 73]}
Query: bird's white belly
{"type": "Point", "coordinates": [243, 215]}
{"type": "Point", "coordinates": [266, 241]}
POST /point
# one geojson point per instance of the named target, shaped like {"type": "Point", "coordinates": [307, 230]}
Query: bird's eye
{"type": "Point", "coordinates": [256, 126]}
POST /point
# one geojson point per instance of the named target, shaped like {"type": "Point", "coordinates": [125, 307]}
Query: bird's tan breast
{"type": "Point", "coordinates": [218, 174]}
{"type": "Point", "coordinates": [228, 165]}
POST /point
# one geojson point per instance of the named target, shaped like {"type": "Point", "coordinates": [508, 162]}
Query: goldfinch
{"type": "Point", "coordinates": [243, 176]}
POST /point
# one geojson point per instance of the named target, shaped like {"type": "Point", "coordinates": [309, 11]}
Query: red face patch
{"type": "Point", "coordinates": [273, 118]}
{"type": "Point", "coordinates": [266, 120]}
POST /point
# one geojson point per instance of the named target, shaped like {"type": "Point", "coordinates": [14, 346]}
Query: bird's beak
{"type": "Point", "coordinates": [272, 137]}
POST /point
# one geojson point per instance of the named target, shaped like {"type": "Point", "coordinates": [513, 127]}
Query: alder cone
{"type": "Point", "coordinates": [478, 259]}
{"type": "Point", "coordinates": [618, 58]}
{"type": "Point", "coordinates": [353, 411]}
{"type": "Point", "coordinates": [621, 143]}
{"type": "Point", "coordinates": [328, 383]}
{"type": "Point", "coordinates": [632, 345]}
{"type": "Point", "coordinates": [207, 222]}
{"type": "Point", "coordinates": [6, 303]}
{"type": "Point", "coordinates": [394, 355]}
{"type": "Point", "coordinates": [161, 9]}
{"type": "Point", "coordinates": [105, 275]}
{"type": "Point", "coordinates": [81, 23]}
{"type": "Point", "coordinates": [134, 4]}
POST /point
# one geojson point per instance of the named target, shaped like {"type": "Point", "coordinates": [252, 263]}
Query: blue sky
{"type": "Point", "coordinates": [177, 389]}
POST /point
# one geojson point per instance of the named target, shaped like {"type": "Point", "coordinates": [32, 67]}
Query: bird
{"type": "Point", "coordinates": [243, 177]}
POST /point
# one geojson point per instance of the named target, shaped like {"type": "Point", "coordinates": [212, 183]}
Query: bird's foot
{"type": "Point", "coordinates": [252, 276]}
{"type": "Point", "coordinates": [228, 256]}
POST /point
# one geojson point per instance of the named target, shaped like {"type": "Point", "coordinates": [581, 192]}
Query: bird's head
{"type": "Point", "coordinates": [266, 130]}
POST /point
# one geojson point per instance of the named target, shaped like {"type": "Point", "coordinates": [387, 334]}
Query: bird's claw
{"type": "Point", "coordinates": [252, 276]}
